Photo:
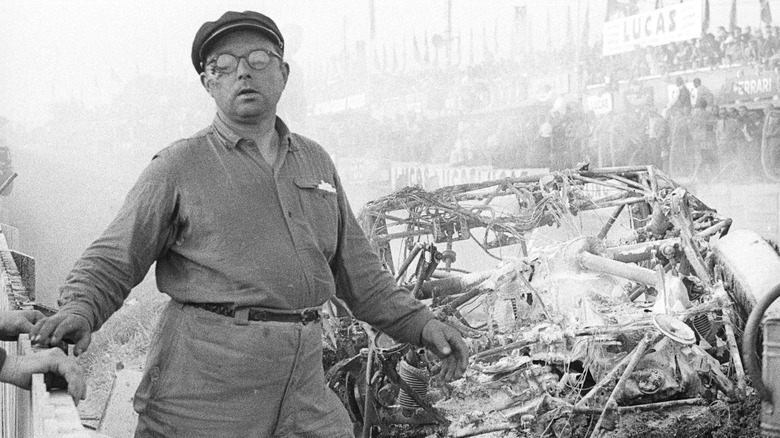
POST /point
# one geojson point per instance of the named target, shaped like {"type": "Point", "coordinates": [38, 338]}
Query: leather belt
{"type": "Point", "coordinates": [303, 316]}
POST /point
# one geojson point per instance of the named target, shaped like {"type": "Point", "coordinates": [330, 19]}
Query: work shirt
{"type": "Point", "coordinates": [681, 97]}
{"type": "Point", "coordinates": [226, 227]}
{"type": "Point", "coordinates": [702, 97]}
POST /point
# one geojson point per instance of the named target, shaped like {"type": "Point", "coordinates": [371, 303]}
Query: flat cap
{"type": "Point", "coordinates": [231, 21]}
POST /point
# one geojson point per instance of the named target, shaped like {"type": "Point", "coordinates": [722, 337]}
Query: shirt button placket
{"type": "Point", "coordinates": [286, 198]}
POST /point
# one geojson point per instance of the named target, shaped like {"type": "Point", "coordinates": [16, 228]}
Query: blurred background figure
{"type": "Point", "coordinates": [703, 136]}
{"type": "Point", "coordinates": [701, 96]}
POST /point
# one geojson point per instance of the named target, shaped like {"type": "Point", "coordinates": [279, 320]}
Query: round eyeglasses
{"type": "Point", "coordinates": [228, 63]}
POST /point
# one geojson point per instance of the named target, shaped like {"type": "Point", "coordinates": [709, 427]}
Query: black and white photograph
{"type": "Point", "coordinates": [390, 218]}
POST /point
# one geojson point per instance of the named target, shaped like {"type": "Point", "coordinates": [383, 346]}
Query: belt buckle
{"type": "Point", "coordinates": [309, 315]}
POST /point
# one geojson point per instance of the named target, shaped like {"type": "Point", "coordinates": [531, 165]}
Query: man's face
{"type": "Point", "coordinates": [245, 95]}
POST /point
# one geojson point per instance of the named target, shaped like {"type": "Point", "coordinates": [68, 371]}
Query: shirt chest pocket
{"type": "Point", "coordinates": [319, 205]}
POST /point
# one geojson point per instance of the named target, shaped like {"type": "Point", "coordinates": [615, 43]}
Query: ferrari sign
{"type": "Point", "coordinates": [678, 22]}
{"type": "Point", "coordinates": [749, 88]}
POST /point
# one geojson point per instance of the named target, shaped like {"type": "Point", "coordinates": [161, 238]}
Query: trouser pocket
{"type": "Point", "coordinates": [163, 349]}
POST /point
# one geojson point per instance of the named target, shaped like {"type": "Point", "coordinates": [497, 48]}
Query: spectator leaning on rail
{"type": "Point", "coordinates": [658, 138]}
{"type": "Point", "coordinates": [680, 98]}
{"type": "Point", "coordinates": [701, 96]}
{"type": "Point", "coordinates": [703, 123]}
{"type": "Point", "coordinates": [18, 370]}
{"type": "Point", "coordinates": [251, 233]}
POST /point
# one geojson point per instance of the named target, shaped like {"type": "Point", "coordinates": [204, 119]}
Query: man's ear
{"type": "Point", "coordinates": [285, 72]}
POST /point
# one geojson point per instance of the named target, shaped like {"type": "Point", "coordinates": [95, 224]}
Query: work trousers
{"type": "Point", "coordinates": [206, 376]}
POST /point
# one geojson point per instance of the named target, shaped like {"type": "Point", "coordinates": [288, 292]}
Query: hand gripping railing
{"type": "Point", "coordinates": [37, 413]}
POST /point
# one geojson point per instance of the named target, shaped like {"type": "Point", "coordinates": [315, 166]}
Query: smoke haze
{"type": "Point", "coordinates": [92, 89]}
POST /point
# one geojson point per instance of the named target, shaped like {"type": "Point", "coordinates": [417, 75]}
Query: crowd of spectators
{"type": "Point", "coordinates": [753, 46]}
{"type": "Point", "coordinates": [455, 86]}
{"type": "Point", "coordinates": [701, 137]}
{"type": "Point", "coordinates": [700, 141]}
{"type": "Point", "coordinates": [449, 94]}
{"type": "Point", "coordinates": [692, 137]}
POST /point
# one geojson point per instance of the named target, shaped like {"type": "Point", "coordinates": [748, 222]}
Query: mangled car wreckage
{"type": "Point", "coordinates": [603, 293]}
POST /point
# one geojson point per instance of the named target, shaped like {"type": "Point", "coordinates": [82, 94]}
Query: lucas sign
{"type": "Point", "coordinates": [678, 22]}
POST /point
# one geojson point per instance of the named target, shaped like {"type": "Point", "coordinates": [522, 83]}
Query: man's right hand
{"type": "Point", "coordinates": [63, 326]}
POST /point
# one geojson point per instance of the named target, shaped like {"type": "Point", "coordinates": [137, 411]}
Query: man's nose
{"type": "Point", "coordinates": [243, 70]}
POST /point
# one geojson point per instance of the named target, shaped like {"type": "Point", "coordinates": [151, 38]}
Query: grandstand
{"type": "Point", "coordinates": [600, 89]}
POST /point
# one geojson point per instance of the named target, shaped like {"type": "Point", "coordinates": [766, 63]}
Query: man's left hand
{"type": "Point", "coordinates": [446, 343]}
{"type": "Point", "coordinates": [15, 322]}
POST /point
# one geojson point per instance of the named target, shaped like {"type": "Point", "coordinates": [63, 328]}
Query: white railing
{"type": "Point", "coordinates": [37, 413]}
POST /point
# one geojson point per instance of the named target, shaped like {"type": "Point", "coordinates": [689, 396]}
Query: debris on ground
{"type": "Point", "coordinates": [605, 310]}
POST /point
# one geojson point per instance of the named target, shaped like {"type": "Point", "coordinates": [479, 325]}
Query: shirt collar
{"type": "Point", "coordinates": [230, 139]}
{"type": "Point", "coordinates": [284, 135]}
{"type": "Point", "coordinates": [225, 135]}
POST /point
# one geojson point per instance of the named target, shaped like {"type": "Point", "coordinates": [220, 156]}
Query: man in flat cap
{"type": "Point", "coordinates": [251, 233]}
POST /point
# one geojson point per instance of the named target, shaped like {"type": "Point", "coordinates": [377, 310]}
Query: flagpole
{"type": "Point", "coordinates": [733, 16]}
{"type": "Point", "coordinates": [449, 32]}
{"type": "Point", "coordinates": [345, 61]}
{"type": "Point", "coordinates": [371, 51]}
{"type": "Point", "coordinates": [577, 52]}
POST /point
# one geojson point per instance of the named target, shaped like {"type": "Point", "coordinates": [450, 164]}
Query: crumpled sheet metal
{"type": "Point", "coordinates": [558, 323]}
